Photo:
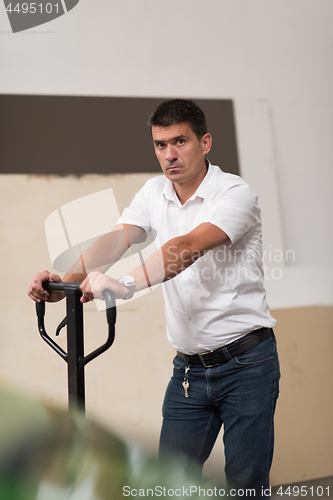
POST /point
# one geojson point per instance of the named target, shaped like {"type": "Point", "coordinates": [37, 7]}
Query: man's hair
{"type": "Point", "coordinates": [178, 111]}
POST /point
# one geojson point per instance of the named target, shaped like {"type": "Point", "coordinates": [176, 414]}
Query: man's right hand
{"type": "Point", "coordinates": [36, 291]}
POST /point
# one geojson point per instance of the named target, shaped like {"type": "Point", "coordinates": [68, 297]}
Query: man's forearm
{"type": "Point", "coordinates": [166, 263]}
{"type": "Point", "coordinates": [99, 257]}
{"type": "Point", "coordinates": [178, 254]}
{"type": "Point", "coordinates": [107, 250]}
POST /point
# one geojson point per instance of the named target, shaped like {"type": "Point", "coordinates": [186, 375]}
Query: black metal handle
{"type": "Point", "coordinates": [111, 314]}
{"type": "Point", "coordinates": [61, 286]}
{"type": "Point", "coordinates": [40, 311]}
{"type": "Point", "coordinates": [75, 287]}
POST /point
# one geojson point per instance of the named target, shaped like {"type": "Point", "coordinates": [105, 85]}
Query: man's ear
{"type": "Point", "coordinates": [207, 143]}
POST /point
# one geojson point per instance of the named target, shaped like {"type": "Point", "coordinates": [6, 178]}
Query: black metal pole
{"type": "Point", "coordinates": [75, 350]}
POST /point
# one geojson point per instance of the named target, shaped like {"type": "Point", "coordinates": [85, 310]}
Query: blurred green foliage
{"type": "Point", "coordinates": [49, 454]}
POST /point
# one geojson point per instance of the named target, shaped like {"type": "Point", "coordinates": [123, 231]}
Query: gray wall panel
{"type": "Point", "coordinates": [80, 135]}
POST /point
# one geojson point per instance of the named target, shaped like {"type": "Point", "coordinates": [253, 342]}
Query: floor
{"type": "Point", "coordinates": [315, 489]}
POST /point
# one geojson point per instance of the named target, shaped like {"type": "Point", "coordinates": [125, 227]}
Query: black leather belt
{"type": "Point", "coordinates": [225, 353]}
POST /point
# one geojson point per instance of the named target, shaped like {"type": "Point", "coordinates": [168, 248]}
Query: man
{"type": "Point", "coordinates": [209, 260]}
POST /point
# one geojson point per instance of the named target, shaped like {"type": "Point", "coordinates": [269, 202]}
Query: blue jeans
{"type": "Point", "coordinates": [240, 394]}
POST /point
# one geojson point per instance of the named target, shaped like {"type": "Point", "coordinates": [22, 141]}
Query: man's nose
{"type": "Point", "coordinates": [171, 153]}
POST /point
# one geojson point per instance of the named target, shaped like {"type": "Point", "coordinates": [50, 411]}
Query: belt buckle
{"type": "Point", "coordinates": [203, 362]}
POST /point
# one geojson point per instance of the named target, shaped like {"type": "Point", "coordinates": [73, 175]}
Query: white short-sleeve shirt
{"type": "Point", "coordinates": [220, 297]}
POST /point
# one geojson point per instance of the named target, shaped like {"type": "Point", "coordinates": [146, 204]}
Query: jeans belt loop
{"type": "Point", "coordinates": [226, 353]}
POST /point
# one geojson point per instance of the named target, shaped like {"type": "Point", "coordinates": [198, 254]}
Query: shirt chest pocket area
{"type": "Point", "coordinates": [173, 220]}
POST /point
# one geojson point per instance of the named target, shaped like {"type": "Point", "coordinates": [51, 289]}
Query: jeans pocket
{"type": "Point", "coordinates": [263, 353]}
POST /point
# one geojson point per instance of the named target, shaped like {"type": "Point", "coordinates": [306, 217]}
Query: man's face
{"type": "Point", "coordinates": [180, 153]}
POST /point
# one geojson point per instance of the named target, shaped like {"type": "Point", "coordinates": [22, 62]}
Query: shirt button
{"type": "Point", "coordinates": [190, 317]}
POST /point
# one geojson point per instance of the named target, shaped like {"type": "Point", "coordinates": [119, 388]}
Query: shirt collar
{"type": "Point", "coordinates": [170, 194]}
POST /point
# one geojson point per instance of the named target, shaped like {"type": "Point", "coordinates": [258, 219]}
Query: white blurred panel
{"type": "Point", "coordinates": [55, 236]}
{"type": "Point", "coordinates": [90, 216]}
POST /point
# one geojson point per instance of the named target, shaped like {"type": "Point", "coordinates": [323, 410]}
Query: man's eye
{"type": "Point", "coordinates": [181, 141]}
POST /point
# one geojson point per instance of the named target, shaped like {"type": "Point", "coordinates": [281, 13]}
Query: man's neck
{"type": "Point", "coordinates": [185, 190]}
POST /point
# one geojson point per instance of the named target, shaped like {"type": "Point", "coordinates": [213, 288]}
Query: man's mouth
{"type": "Point", "coordinates": [173, 167]}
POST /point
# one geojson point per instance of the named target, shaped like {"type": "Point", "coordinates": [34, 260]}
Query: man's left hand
{"type": "Point", "coordinates": [95, 284]}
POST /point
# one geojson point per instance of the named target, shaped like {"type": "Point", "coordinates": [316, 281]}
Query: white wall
{"type": "Point", "coordinates": [288, 283]}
